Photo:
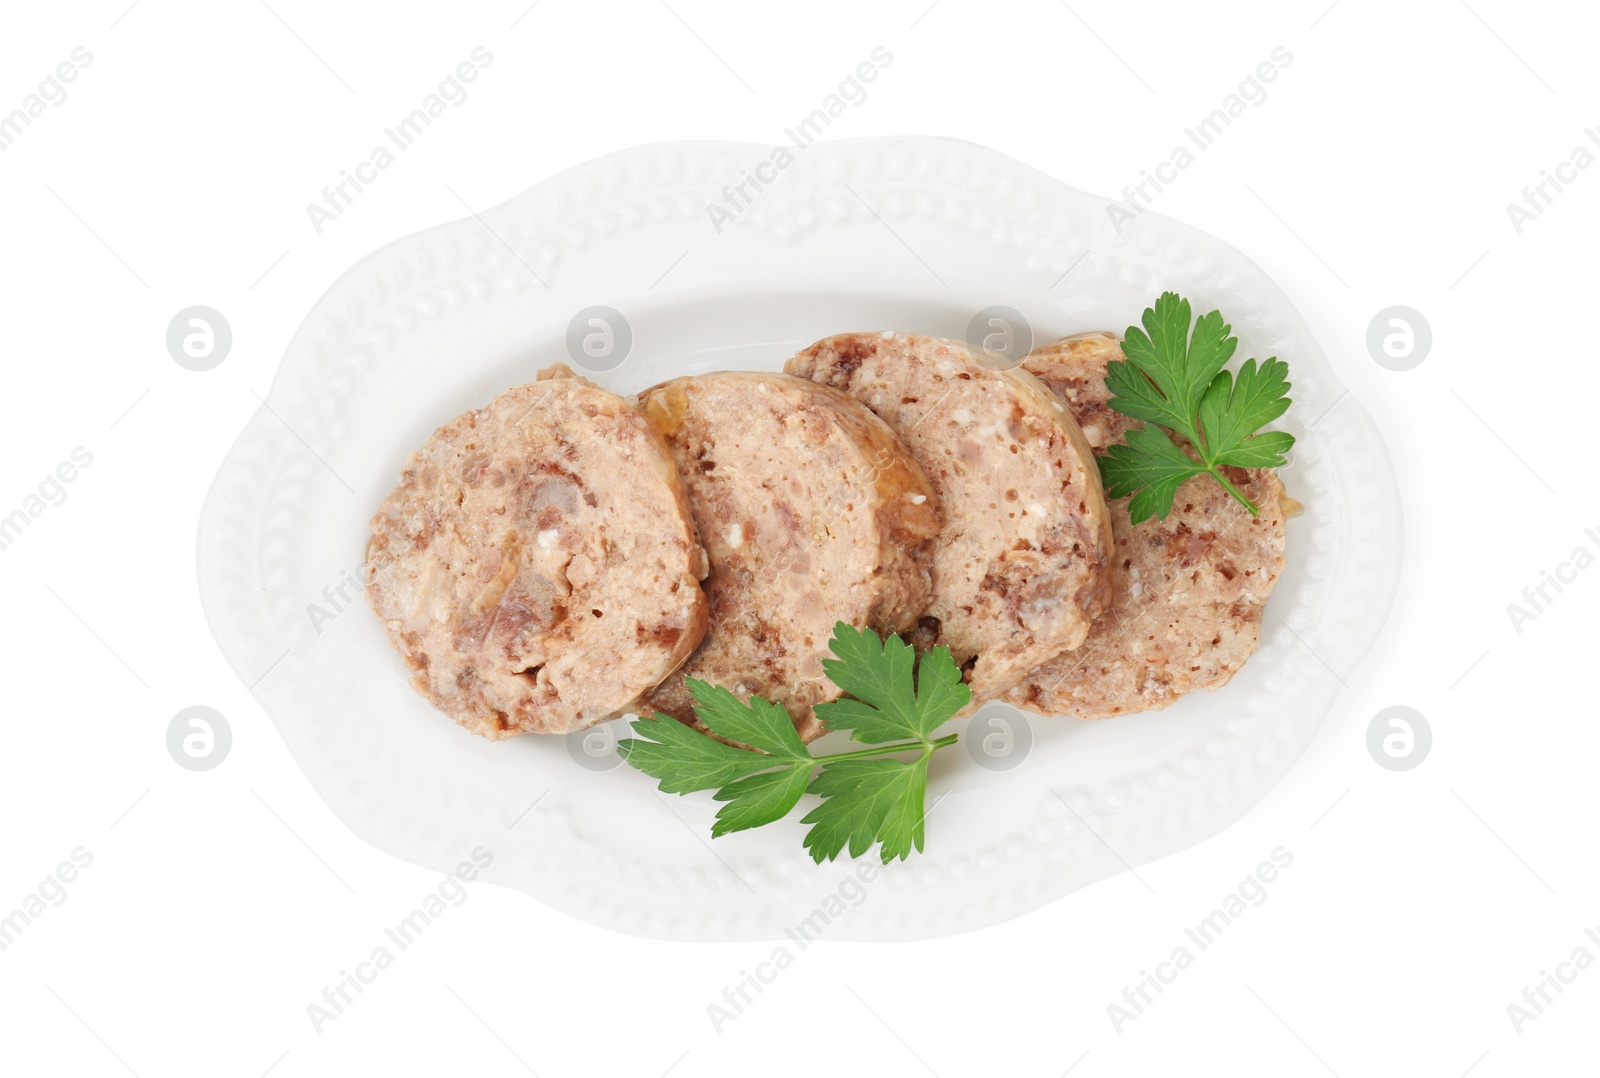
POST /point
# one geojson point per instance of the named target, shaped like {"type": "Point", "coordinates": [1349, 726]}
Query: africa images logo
{"type": "Point", "coordinates": [851, 93]}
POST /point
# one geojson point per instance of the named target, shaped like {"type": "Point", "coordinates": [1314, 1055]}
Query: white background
{"type": "Point", "coordinates": [1377, 172]}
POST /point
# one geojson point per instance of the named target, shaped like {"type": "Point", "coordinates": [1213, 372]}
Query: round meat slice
{"type": "Point", "coordinates": [1187, 592]}
{"type": "Point", "coordinates": [537, 566]}
{"type": "Point", "coordinates": [811, 512]}
{"type": "Point", "coordinates": [1022, 567]}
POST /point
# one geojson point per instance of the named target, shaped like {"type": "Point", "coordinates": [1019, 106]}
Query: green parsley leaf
{"type": "Point", "coordinates": [684, 759]}
{"type": "Point", "coordinates": [760, 724]}
{"type": "Point", "coordinates": [888, 703]}
{"type": "Point", "coordinates": [869, 795]}
{"type": "Point", "coordinates": [1176, 378]}
{"type": "Point", "coordinates": [867, 801]}
{"type": "Point", "coordinates": [1151, 468]}
{"type": "Point", "coordinates": [759, 799]}
{"type": "Point", "coordinates": [1166, 373]}
{"type": "Point", "coordinates": [1231, 412]}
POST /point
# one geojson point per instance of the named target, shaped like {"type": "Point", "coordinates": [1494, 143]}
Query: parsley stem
{"type": "Point", "coordinates": [884, 750]}
{"type": "Point", "coordinates": [1231, 489]}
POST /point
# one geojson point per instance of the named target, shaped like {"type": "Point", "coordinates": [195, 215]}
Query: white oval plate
{"type": "Point", "coordinates": [905, 234]}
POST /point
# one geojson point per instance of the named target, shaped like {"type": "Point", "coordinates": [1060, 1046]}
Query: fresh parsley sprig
{"type": "Point", "coordinates": [870, 795]}
{"type": "Point", "coordinates": [1177, 380]}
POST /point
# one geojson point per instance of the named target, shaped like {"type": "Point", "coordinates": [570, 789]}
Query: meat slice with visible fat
{"type": "Point", "coordinates": [1022, 566]}
{"type": "Point", "coordinates": [811, 512]}
{"type": "Point", "coordinates": [1187, 592]}
{"type": "Point", "coordinates": [537, 567]}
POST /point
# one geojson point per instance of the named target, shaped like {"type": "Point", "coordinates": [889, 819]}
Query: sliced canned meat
{"type": "Point", "coordinates": [811, 512]}
{"type": "Point", "coordinates": [537, 566]}
{"type": "Point", "coordinates": [1187, 592]}
{"type": "Point", "coordinates": [1022, 566]}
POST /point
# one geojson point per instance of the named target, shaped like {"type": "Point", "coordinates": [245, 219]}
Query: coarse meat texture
{"type": "Point", "coordinates": [811, 512]}
{"type": "Point", "coordinates": [537, 567]}
{"type": "Point", "coordinates": [1022, 567]}
{"type": "Point", "coordinates": [1188, 592]}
